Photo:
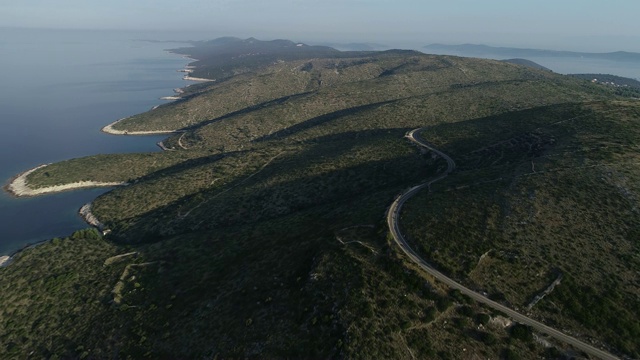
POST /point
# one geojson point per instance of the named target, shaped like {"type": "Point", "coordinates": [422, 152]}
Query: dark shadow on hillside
{"type": "Point", "coordinates": [210, 274]}
{"type": "Point", "coordinates": [322, 119]}
{"type": "Point", "coordinates": [246, 110]}
{"type": "Point", "coordinates": [416, 65]}
{"type": "Point", "coordinates": [190, 163]}
{"type": "Point", "coordinates": [336, 115]}
{"type": "Point", "coordinates": [514, 139]}
{"type": "Point", "coordinates": [473, 134]}
{"type": "Point", "coordinates": [233, 205]}
{"type": "Point", "coordinates": [456, 139]}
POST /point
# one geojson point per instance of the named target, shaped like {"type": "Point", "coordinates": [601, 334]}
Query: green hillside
{"type": "Point", "coordinates": [263, 233]}
{"type": "Point", "coordinates": [553, 191]}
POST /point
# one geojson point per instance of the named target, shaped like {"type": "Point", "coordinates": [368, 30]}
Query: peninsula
{"type": "Point", "coordinates": [319, 203]}
{"type": "Point", "coordinates": [20, 187]}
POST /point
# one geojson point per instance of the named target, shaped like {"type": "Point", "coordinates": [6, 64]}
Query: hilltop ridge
{"type": "Point", "coordinates": [261, 231]}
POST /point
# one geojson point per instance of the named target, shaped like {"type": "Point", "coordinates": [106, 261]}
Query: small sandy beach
{"type": "Point", "coordinates": [19, 186]}
{"type": "Point", "coordinates": [110, 130]}
{"type": "Point", "coordinates": [5, 260]}
{"type": "Point", "coordinates": [190, 78]}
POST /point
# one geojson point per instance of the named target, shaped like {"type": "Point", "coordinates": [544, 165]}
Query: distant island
{"type": "Point", "coordinates": [508, 52]}
{"type": "Point", "coordinates": [356, 46]}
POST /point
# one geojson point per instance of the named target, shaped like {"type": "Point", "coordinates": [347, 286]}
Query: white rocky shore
{"type": "Point", "coordinates": [191, 78]}
{"type": "Point", "coordinates": [5, 260]}
{"type": "Point", "coordinates": [110, 130]}
{"type": "Point", "coordinates": [87, 215]}
{"type": "Point", "coordinates": [20, 187]}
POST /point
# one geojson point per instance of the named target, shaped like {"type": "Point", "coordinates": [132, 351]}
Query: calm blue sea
{"type": "Point", "coordinates": [568, 64]}
{"type": "Point", "coordinates": [57, 89]}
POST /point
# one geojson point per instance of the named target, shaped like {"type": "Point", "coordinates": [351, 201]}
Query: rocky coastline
{"type": "Point", "coordinates": [19, 186]}
{"type": "Point", "coordinates": [110, 130]}
{"type": "Point", "coordinates": [5, 260]}
{"type": "Point", "coordinates": [191, 78]}
{"type": "Point", "coordinates": [91, 219]}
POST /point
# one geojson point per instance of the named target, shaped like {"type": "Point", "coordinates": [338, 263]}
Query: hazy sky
{"type": "Point", "coordinates": [586, 25]}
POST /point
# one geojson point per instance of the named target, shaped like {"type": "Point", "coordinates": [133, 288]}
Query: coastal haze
{"type": "Point", "coordinates": [573, 25]}
{"type": "Point", "coordinates": [331, 188]}
{"type": "Point", "coordinates": [626, 64]}
{"type": "Point", "coordinates": [59, 88]}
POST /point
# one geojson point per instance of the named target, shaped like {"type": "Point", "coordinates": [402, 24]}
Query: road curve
{"type": "Point", "coordinates": [393, 217]}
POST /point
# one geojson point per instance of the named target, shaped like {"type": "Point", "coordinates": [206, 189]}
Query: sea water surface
{"type": "Point", "coordinates": [564, 64]}
{"type": "Point", "coordinates": [58, 88]}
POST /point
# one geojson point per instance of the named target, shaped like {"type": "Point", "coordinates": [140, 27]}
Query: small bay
{"type": "Point", "coordinates": [58, 88]}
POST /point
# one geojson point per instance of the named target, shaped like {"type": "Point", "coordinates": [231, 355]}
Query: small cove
{"type": "Point", "coordinates": [59, 88]}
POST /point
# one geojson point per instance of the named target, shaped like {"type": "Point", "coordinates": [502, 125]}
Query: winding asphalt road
{"type": "Point", "coordinates": [393, 217]}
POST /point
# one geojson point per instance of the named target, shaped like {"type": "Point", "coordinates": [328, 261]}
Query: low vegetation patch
{"type": "Point", "coordinates": [263, 232]}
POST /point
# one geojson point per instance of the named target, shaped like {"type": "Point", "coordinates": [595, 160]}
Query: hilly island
{"type": "Point", "coordinates": [313, 203]}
